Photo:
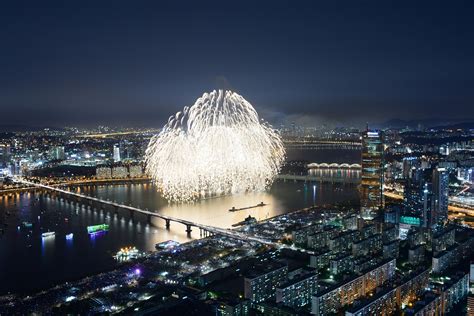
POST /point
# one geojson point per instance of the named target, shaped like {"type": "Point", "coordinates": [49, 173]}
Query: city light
{"type": "Point", "coordinates": [217, 146]}
{"type": "Point", "coordinates": [337, 186]}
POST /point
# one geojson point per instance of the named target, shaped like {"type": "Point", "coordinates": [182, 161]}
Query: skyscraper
{"type": "Point", "coordinates": [371, 190]}
{"type": "Point", "coordinates": [418, 201]}
{"type": "Point", "coordinates": [57, 153]}
{"type": "Point", "coordinates": [117, 153]}
{"type": "Point", "coordinates": [409, 165]}
{"type": "Point", "coordinates": [4, 154]}
{"type": "Point", "coordinates": [428, 217]}
{"type": "Point", "coordinates": [440, 195]}
{"type": "Point", "coordinates": [413, 194]}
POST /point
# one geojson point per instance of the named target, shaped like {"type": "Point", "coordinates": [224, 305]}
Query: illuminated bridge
{"type": "Point", "coordinates": [81, 198]}
{"type": "Point", "coordinates": [327, 173]}
{"type": "Point", "coordinates": [318, 178]}
{"type": "Point", "coordinates": [334, 165]}
{"type": "Point", "coordinates": [318, 144]}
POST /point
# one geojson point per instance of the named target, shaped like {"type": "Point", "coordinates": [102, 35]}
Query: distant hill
{"type": "Point", "coordinates": [25, 128]}
{"type": "Point", "coordinates": [465, 125]}
{"type": "Point", "coordinates": [429, 123]}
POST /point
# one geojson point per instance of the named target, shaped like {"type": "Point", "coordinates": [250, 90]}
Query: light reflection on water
{"type": "Point", "coordinates": [29, 262]}
{"type": "Point", "coordinates": [282, 198]}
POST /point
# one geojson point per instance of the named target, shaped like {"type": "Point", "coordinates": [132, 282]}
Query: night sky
{"type": "Point", "coordinates": [138, 62]}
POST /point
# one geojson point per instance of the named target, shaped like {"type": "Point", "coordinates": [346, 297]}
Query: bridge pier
{"type": "Point", "coordinates": [188, 229]}
{"type": "Point", "coordinates": [168, 223]}
{"type": "Point", "coordinates": [148, 218]}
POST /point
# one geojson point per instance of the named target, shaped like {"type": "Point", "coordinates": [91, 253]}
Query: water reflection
{"type": "Point", "coordinates": [335, 173]}
{"type": "Point", "coordinates": [61, 259]}
{"type": "Point", "coordinates": [47, 245]}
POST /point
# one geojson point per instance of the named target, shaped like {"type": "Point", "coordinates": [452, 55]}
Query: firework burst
{"type": "Point", "coordinates": [217, 146]}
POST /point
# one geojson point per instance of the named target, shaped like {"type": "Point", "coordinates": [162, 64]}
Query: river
{"type": "Point", "coordinates": [29, 263]}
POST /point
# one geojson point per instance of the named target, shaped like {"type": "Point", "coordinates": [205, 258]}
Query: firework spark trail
{"type": "Point", "coordinates": [217, 146]}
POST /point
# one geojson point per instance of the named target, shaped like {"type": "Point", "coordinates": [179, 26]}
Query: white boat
{"type": "Point", "coordinates": [48, 234]}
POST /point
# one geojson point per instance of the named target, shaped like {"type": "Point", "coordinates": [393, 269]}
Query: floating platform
{"type": "Point", "coordinates": [234, 209]}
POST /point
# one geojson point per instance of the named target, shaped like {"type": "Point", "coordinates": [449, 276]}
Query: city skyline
{"type": "Point", "coordinates": [309, 63]}
{"type": "Point", "coordinates": [237, 158]}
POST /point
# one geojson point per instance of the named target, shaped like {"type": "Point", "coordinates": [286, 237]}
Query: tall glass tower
{"type": "Point", "coordinates": [371, 189]}
{"type": "Point", "coordinates": [117, 153]}
{"type": "Point", "coordinates": [440, 194]}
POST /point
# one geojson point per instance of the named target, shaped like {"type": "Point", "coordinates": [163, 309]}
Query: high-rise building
{"type": "Point", "coordinates": [440, 195]}
{"type": "Point", "coordinates": [119, 172]}
{"type": "Point", "coordinates": [427, 205]}
{"type": "Point", "coordinates": [4, 155]}
{"type": "Point", "coordinates": [229, 307]}
{"type": "Point", "coordinates": [372, 199]}
{"type": "Point", "coordinates": [103, 172]}
{"type": "Point", "coordinates": [261, 282]}
{"type": "Point", "coordinates": [345, 292]}
{"type": "Point", "coordinates": [418, 202]}
{"type": "Point", "coordinates": [298, 291]}
{"type": "Point", "coordinates": [57, 153]}
{"type": "Point", "coordinates": [117, 153]}
{"type": "Point", "coordinates": [413, 198]}
{"type": "Point", "coordinates": [409, 163]}
{"type": "Point", "coordinates": [135, 171]}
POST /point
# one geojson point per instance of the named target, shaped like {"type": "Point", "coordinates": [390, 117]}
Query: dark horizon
{"type": "Point", "coordinates": [343, 63]}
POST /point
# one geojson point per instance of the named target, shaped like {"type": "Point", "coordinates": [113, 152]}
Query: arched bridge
{"type": "Point", "coordinates": [334, 165]}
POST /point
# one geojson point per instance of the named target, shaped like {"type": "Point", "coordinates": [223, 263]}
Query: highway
{"type": "Point", "coordinates": [452, 207]}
